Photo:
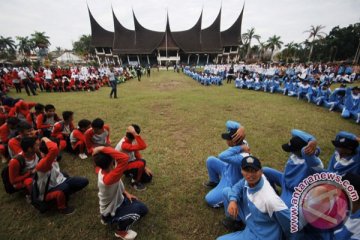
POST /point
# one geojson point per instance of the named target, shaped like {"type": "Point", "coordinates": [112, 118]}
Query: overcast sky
{"type": "Point", "coordinates": [66, 20]}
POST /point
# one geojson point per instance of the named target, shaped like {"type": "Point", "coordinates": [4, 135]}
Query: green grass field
{"type": "Point", "coordinates": [181, 121]}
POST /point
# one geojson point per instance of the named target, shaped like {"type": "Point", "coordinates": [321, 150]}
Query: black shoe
{"type": "Point", "coordinates": [233, 225]}
{"type": "Point", "coordinates": [210, 184]}
{"type": "Point", "coordinates": [67, 211]}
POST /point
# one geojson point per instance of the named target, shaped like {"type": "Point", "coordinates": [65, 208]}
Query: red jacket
{"type": "Point", "coordinates": [16, 173]}
{"type": "Point", "coordinates": [128, 146]}
{"type": "Point", "coordinates": [89, 141]}
{"type": "Point", "coordinates": [45, 164]}
{"type": "Point", "coordinates": [114, 175]}
{"type": "Point", "coordinates": [59, 128]}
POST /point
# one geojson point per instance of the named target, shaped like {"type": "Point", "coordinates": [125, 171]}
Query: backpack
{"type": "Point", "coordinates": [38, 202]}
{"type": "Point", "coordinates": [9, 188]}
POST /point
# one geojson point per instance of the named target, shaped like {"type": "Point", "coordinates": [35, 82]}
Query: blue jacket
{"type": "Point", "coordinates": [351, 228]}
{"type": "Point", "coordinates": [352, 103]}
{"type": "Point", "coordinates": [298, 168]}
{"type": "Point", "coordinates": [350, 164]}
{"type": "Point", "coordinates": [266, 215]}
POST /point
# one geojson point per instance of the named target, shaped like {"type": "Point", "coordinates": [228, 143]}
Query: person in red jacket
{"type": "Point", "coordinates": [60, 186]}
{"type": "Point", "coordinates": [21, 174]}
{"type": "Point", "coordinates": [7, 131]}
{"type": "Point", "coordinates": [117, 206]}
{"type": "Point", "coordinates": [24, 130]}
{"type": "Point", "coordinates": [21, 109]}
{"type": "Point", "coordinates": [31, 117]}
{"type": "Point", "coordinates": [97, 135]}
{"type": "Point", "coordinates": [45, 122]}
{"type": "Point", "coordinates": [131, 145]}
{"type": "Point", "coordinates": [77, 138]}
{"type": "Point", "coordinates": [63, 129]}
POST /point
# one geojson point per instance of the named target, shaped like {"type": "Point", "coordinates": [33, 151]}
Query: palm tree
{"type": "Point", "coordinates": [315, 33]}
{"type": "Point", "coordinates": [248, 36]}
{"type": "Point", "coordinates": [25, 45]}
{"type": "Point", "coordinates": [289, 50]}
{"type": "Point", "coordinates": [263, 48]}
{"type": "Point", "coordinates": [7, 44]}
{"type": "Point", "coordinates": [40, 39]}
{"type": "Point", "coordinates": [273, 43]}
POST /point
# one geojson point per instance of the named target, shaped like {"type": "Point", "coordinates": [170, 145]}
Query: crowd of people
{"type": "Point", "coordinates": [64, 79]}
{"type": "Point", "coordinates": [33, 137]}
{"type": "Point", "coordinates": [249, 195]}
{"type": "Point", "coordinates": [311, 83]}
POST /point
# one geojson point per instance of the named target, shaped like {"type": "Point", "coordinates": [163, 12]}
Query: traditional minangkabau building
{"type": "Point", "coordinates": [144, 46]}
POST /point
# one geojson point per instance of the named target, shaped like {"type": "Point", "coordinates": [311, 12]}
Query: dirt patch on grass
{"type": "Point", "coordinates": [167, 86]}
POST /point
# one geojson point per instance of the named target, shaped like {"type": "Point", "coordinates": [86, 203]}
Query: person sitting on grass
{"type": "Point", "coordinates": [21, 173]}
{"type": "Point", "coordinates": [45, 121]}
{"type": "Point", "coordinates": [302, 162]}
{"type": "Point", "coordinates": [63, 129]}
{"type": "Point", "coordinates": [14, 144]}
{"type": "Point", "coordinates": [352, 104]}
{"type": "Point", "coordinates": [224, 171]}
{"type": "Point", "coordinates": [351, 228]}
{"type": "Point", "coordinates": [97, 135]}
{"type": "Point", "coordinates": [132, 144]}
{"type": "Point", "coordinates": [61, 186]}
{"type": "Point", "coordinates": [346, 158]}
{"type": "Point", "coordinates": [117, 206]}
{"type": "Point", "coordinates": [7, 131]}
{"type": "Point", "coordinates": [254, 201]}
{"type": "Point", "coordinates": [31, 117]}
{"type": "Point", "coordinates": [77, 138]}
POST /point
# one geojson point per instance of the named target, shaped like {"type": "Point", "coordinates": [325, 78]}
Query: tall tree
{"type": "Point", "coordinates": [289, 50]}
{"type": "Point", "coordinates": [40, 39]}
{"type": "Point", "coordinates": [248, 36]}
{"type": "Point", "coordinates": [7, 48]}
{"type": "Point", "coordinates": [7, 43]}
{"type": "Point", "coordinates": [273, 43]}
{"type": "Point", "coordinates": [83, 45]}
{"type": "Point", "coordinates": [25, 45]}
{"type": "Point", "coordinates": [314, 33]}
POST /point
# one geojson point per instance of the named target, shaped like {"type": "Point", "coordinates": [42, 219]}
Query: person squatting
{"type": "Point", "coordinates": [248, 192]}
{"type": "Point", "coordinates": [33, 138]}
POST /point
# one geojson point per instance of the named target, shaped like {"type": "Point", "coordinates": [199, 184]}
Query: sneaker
{"type": "Point", "coordinates": [139, 186]}
{"type": "Point", "coordinates": [83, 156]}
{"type": "Point", "coordinates": [210, 184]}
{"type": "Point", "coordinates": [233, 225]}
{"type": "Point", "coordinates": [67, 211]}
{"type": "Point", "coordinates": [126, 235]}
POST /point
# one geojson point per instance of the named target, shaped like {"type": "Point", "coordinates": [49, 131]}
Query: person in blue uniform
{"type": "Point", "coordinates": [224, 170]}
{"type": "Point", "coordinates": [301, 163]}
{"type": "Point", "coordinates": [254, 201]}
{"type": "Point", "coordinates": [351, 229]}
{"type": "Point", "coordinates": [352, 104]}
{"type": "Point", "coordinates": [346, 158]}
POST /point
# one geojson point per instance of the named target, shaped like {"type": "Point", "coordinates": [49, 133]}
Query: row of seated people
{"type": "Point", "coordinates": [32, 151]}
{"type": "Point", "coordinates": [203, 78]}
{"type": "Point", "coordinates": [249, 195]}
{"type": "Point", "coordinates": [343, 99]}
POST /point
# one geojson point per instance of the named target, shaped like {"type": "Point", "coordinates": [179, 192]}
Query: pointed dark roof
{"type": "Point", "coordinates": [124, 39]}
{"type": "Point", "coordinates": [190, 40]}
{"type": "Point", "coordinates": [232, 36]}
{"type": "Point", "coordinates": [168, 40]}
{"type": "Point", "coordinates": [211, 37]}
{"type": "Point", "coordinates": [146, 41]}
{"type": "Point", "coordinates": [99, 36]}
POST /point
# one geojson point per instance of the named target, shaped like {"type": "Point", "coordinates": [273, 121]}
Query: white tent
{"type": "Point", "coordinates": [69, 57]}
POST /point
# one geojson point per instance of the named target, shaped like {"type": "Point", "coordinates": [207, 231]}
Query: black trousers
{"type": "Point", "coordinates": [28, 87]}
